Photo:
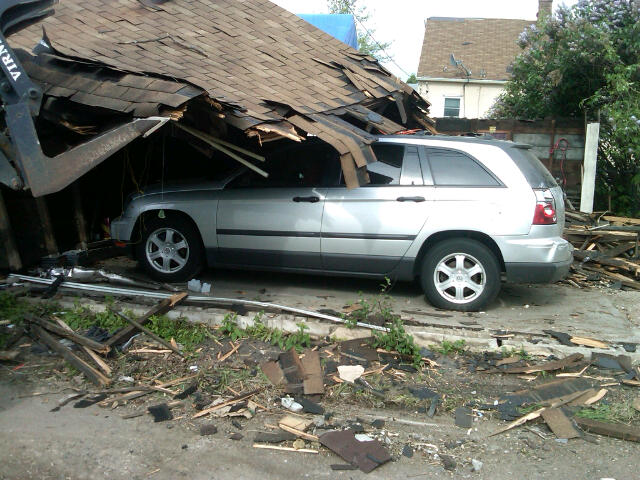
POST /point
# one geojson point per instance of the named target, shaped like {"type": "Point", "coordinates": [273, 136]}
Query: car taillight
{"type": "Point", "coordinates": [545, 212]}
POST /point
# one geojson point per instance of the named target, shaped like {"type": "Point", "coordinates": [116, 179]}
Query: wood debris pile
{"type": "Point", "coordinates": [607, 249]}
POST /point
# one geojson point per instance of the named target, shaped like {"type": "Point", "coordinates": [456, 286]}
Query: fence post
{"type": "Point", "coordinates": [590, 163]}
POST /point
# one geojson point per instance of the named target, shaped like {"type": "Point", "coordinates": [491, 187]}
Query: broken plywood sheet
{"type": "Point", "coordinates": [559, 423]}
{"type": "Point", "coordinates": [366, 455]}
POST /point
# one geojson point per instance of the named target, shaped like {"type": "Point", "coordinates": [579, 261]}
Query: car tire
{"type": "Point", "coordinates": [460, 274]}
{"type": "Point", "coordinates": [171, 249]}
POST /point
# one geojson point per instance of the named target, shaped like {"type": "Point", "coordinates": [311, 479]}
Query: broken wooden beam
{"type": "Point", "coordinates": [91, 373]}
{"type": "Point", "coordinates": [161, 308]}
{"type": "Point", "coordinates": [158, 339]}
{"type": "Point", "coordinates": [615, 430]}
{"type": "Point", "coordinates": [70, 334]}
{"type": "Point", "coordinates": [94, 356]}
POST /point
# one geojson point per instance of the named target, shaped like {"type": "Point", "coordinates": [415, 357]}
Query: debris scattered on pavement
{"type": "Point", "coordinates": [607, 249]}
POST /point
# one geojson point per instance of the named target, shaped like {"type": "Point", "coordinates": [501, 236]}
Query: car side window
{"type": "Point", "coordinates": [452, 168]}
{"type": "Point", "coordinates": [292, 168]}
{"type": "Point", "coordinates": [388, 168]}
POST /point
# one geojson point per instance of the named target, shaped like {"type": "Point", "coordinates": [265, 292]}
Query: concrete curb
{"type": "Point", "coordinates": [477, 341]}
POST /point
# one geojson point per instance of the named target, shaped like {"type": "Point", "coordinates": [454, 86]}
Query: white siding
{"type": "Point", "coordinates": [476, 98]}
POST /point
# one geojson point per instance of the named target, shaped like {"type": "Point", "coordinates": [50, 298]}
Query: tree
{"type": "Point", "coordinates": [585, 62]}
{"type": "Point", "coordinates": [412, 79]}
{"type": "Point", "coordinates": [366, 43]}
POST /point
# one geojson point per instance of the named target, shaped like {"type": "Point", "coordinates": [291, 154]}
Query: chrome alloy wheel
{"type": "Point", "coordinates": [459, 278]}
{"type": "Point", "coordinates": [167, 250]}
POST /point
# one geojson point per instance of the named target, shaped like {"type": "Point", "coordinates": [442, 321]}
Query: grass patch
{"type": "Point", "coordinates": [611, 412]}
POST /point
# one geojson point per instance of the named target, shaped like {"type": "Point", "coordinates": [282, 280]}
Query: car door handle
{"type": "Point", "coordinates": [410, 199]}
{"type": "Point", "coordinates": [306, 199]}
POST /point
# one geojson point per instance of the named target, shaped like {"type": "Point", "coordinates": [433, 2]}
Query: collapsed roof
{"type": "Point", "coordinates": [250, 64]}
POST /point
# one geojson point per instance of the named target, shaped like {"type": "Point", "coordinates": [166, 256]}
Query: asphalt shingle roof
{"type": "Point", "coordinates": [486, 45]}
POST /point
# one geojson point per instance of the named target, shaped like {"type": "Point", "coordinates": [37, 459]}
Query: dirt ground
{"type": "Point", "coordinates": [97, 442]}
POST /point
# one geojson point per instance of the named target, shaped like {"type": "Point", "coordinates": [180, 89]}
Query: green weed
{"type": "Point", "coordinates": [185, 333]}
{"type": "Point", "coordinates": [397, 339]}
{"type": "Point", "coordinates": [448, 348]}
{"type": "Point", "coordinates": [507, 352]}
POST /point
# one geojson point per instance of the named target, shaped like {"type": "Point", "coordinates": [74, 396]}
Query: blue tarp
{"type": "Point", "coordinates": [338, 25]}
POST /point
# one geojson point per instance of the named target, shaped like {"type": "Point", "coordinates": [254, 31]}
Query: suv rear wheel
{"type": "Point", "coordinates": [170, 249]}
{"type": "Point", "coordinates": [460, 274]}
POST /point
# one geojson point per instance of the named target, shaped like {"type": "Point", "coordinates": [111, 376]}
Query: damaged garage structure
{"type": "Point", "coordinates": [117, 96]}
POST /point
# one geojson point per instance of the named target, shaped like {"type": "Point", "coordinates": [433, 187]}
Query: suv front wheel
{"type": "Point", "coordinates": [460, 274]}
{"type": "Point", "coordinates": [170, 250]}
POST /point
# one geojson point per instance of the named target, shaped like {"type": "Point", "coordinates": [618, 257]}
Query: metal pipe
{"type": "Point", "coordinates": [218, 300]}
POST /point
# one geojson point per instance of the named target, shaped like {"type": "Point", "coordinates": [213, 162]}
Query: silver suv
{"type": "Point", "coordinates": [461, 214]}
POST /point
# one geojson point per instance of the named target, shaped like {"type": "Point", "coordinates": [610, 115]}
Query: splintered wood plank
{"type": "Point", "coordinates": [314, 380]}
{"type": "Point", "coordinates": [589, 342]}
{"type": "Point", "coordinates": [91, 373]}
{"type": "Point", "coordinates": [548, 366]}
{"type": "Point", "coordinates": [559, 423]}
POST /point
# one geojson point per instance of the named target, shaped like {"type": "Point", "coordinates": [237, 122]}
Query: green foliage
{"type": "Point", "coordinates": [448, 348]}
{"type": "Point", "coordinates": [230, 328]}
{"type": "Point", "coordinates": [412, 79]}
{"type": "Point", "coordinates": [397, 339]}
{"type": "Point", "coordinates": [585, 62]}
{"type": "Point", "coordinates": [181, 330]}
{"type": "Point", "coordinates": [12, 308]}
{"type": "Point", "coordinates": [366, 43]}
{"type": "Point", "coordinates": [298, 340]}
{"type": "Point", "coordinates": [81, 318]}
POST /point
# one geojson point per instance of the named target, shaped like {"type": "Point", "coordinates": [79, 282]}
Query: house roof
{"type": "Point", "coordinates": [486, 46]}
{"type": "Point", "coordinates": [263, 68]}
{"type": "Point", "coordinates": [251, 54]}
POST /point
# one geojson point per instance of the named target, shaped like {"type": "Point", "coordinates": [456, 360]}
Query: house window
{"type": "Point", "coordinates": [452, 107]}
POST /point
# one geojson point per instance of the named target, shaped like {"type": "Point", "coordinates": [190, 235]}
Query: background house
{"type": "Point", "coordinates": [465, 62]}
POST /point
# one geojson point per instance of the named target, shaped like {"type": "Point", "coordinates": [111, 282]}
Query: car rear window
{"type": "Point", "coordinates": [531, 167]}
{"type": "Point", "coordinates": [451, 168]}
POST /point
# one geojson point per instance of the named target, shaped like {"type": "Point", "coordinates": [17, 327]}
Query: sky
{"type": "Point", "coordinates": [402, 21]}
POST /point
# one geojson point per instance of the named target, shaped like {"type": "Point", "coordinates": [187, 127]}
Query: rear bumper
{"type": "Point", "coordinates": [537, 272]}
